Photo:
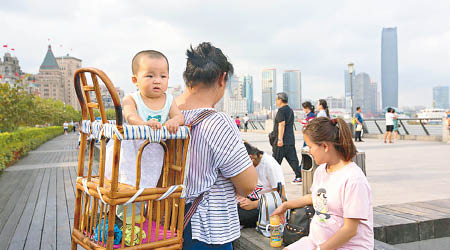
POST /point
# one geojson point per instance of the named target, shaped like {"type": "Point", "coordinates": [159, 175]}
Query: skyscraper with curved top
{"type": "Point", "coordinates": [389, 68]}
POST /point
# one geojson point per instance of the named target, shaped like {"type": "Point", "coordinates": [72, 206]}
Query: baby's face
{"type": "Point", "coordinates": [152, 78]}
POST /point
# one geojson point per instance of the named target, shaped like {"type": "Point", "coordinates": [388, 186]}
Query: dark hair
{"type": "Point", "coordinates": [336, 131]}
{"type": "Point", "coordinates": [389, 110]}
{"type": "Point", "coordinates": [283, 97]}
{"type": "Point", "coordinates": [358, 108]}
{"type": "Point", "coordinates": [205, 64]}
{"type": "Point", "coordinates": [324, 105]}
{"type": "Point", "coordinates": [308, 105]}
{"type": "Point", "coordinates": [148, 53]}
{"type": "Point", "coordinates": [251, 150]}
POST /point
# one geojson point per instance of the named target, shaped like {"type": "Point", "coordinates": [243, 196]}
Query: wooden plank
{"type": "Point", "coordinates": [13, 219]}
{"type": "Point", "coordinates": [70, 196]}
{"type": "Point", "coordinates": [18, 240]}
{"type": "Point", "coordinates": [49, 231]}
{"type": "Point", "coordinates": [10, 180]}
{"type": "Point", "coordinates": [432, 206]}
{"type": "Point", "coordinates": [33, 240]}
{"type": "Point", "coordinates": [63, 236]}
{"type": "Point", "coordinates": [15, 194]}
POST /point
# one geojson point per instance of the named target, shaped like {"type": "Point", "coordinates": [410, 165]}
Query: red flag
{"type": "Point", "coordinates": [21, 77]}
{"type": "Point", "coordinates": [5, 46]}
{"type": "Point", "coordinates": [1, 76]}
{"type": "Point", "coordinates": [34, 80]}
{"type": "Point", "coordinates": [17, 74]}
{"type": "Point", "coordinates": [13, 49]}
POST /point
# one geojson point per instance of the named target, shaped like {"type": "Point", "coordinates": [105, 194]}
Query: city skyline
{"type": "Point", "coordinates": [315, 43]}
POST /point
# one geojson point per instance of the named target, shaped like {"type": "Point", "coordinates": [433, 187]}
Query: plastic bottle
{"type": "Point", "coordinates": [275, 234]}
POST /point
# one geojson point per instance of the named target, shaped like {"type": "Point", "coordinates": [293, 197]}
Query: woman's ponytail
{"type": "Point", "coordinates": [337, 131]}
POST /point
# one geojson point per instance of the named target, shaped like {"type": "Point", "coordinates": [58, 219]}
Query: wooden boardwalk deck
{"type": "Point", "coordinates": [37, 197]}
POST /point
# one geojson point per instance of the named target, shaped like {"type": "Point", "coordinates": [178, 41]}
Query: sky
{"type": "Point", "coordinates": [319, 38]}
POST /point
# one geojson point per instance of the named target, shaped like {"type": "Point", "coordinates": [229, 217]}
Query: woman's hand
{"type": "Point", "coordinates": [280, 212]}
{"type": "Point", "coordinates": [154, 124]}
{"type": "Point", "coordinates": [247, 204]}
{"type": "Point", "coordinates": [172, 125]}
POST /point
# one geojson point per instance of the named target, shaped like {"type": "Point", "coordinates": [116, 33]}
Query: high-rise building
{"type": "Point", "coordinates": [68, 65]}
{"type": "Point", "coordinates": [269, 88]}
{"type": "Point", "coordinates": [389, 68]}
{"type": "Point", "coordinates": [365, 94]}
{"type": "Point", "coordinates": [292, 85]}
{"type": "Point", "coordinates": [440, 97]}
{"type": "Point", "coordinates": [335, 103]}
{"type": "Point", "coordinates": [248, 87]}
{"type": "Point", "coordinates": [233, 86]}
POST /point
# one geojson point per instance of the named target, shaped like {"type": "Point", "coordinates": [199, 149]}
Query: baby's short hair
{"type": "Point", "coordinates": [148, 53]}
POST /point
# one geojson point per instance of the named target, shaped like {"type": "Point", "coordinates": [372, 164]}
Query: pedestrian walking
{"type": "Point", "coordinates": [322, 106]}
{"type": "Point", "coordinates": [238, 122]}
{"type": "Point", "coordinates": [66, 127]}
{"type": "Point", "coordinates": [389, 124]}
{"type": "Point", "coordinates": [246, 119]}
{"type": "Point", "coordinates": [359, 124]}
{"type": "Point", "coordinates": [283, 129]}
{"type": "Point", "coordinates": [396, 125]}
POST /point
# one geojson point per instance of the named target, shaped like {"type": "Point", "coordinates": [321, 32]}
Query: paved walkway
{"type": "Point", "coordinates": [37, 193]}
{"type": "Point", "coordinates": [405, 171]}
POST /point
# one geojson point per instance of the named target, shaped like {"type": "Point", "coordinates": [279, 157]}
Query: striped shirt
{"type": "Point", "coordinates": [217, 154]}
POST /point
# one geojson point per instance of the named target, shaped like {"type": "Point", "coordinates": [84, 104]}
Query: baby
{"type": "Point", "coordinates": [151, 106]}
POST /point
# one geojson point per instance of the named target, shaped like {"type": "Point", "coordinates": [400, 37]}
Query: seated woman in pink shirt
{"type": "Point", "coordinates": [341, 195]}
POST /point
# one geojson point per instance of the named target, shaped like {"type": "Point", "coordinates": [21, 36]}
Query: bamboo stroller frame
{"type": "Point", "coordinates": [98, 197]}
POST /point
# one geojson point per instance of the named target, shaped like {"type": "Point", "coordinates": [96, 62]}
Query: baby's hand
{"type": "Point", "coordinates": [154, 124]}
{"type": "Point", "coordinates": [172, 126]}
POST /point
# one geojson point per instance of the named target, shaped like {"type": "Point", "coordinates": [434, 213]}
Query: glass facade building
{"type": "Point", "coordinates": [389, 68]}
{"type": "Point", "coordinates": [440, 97]}
{"type": "Point", "coordinates": [269, 88]}
{"type": "Point", "coordinates": [292, 85]}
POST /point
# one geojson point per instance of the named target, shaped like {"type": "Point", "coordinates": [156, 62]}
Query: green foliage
{"type": "Point", "coordinates": [20, 109]}
{"type": "Point", "coordinates": [16, 144]}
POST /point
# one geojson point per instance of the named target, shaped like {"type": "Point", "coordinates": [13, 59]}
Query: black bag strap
{"type": "Point", "coordinates": [197, 120]}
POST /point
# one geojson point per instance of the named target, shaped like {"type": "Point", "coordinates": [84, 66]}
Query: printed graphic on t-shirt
{"type": "Point", "coordinates": [320, 205]}
{"type": "Point", "coordinates": [155, 117]}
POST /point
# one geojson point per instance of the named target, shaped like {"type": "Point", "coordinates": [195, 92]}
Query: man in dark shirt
{"type": "Point", "coordinates": [284, 145]}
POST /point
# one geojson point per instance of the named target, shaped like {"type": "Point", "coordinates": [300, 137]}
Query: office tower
{"type": "Point", "coordinates": [440, 97]}
{"type": "Point", "coordinates": [269, 88]}
{"type": "Point", "coordinates": [292, 85]}
{"type": "Point", "coordinates": [248, 87]}
{"type": "Point", "coordinates": [364, 93]}
{"type": "Point", "coordinates": [389, 68]}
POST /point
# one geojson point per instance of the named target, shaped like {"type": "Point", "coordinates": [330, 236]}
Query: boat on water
{"type": "Point", "coordinates": [432, 113]}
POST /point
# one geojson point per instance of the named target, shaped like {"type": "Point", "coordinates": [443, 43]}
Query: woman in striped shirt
{"type": "Point", "coordinates": [220, 167]}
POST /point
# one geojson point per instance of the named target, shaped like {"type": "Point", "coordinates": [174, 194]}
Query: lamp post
{"type": "Point", "coordinates": [350, 71]}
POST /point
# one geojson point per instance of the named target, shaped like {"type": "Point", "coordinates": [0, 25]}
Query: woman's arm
{"type": "Point", "coordinates": [301, 202]}
{"type": "Point", "coordinates": [246, 181]}
{"type": "Point", "coordinates": [342, 236]}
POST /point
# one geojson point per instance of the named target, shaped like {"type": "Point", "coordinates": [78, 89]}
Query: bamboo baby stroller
{"type": "Point", "coordinates": [98, 197]}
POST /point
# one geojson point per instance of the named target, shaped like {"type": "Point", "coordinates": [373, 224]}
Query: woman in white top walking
{"type": "Point", "coordinates": [390, 116]}
{"type": "Point", "coordinates": [322, 106]}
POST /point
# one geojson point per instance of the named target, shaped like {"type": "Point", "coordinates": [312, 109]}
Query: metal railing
{"type": "Point", "coordinates": [407, 126]}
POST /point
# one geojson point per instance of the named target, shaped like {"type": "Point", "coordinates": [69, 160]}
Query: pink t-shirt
{"type": "Point", "coordinates": [342, 194]}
